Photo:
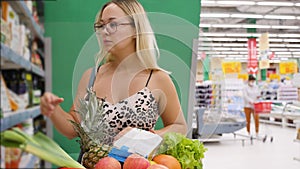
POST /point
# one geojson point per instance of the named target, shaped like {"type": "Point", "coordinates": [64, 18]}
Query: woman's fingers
{"type": "Point", "coordinates": [48, 103]}
{"type": "Point", "coordinates": [122, 133]}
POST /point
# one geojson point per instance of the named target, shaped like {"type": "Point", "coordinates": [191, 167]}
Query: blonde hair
{"type": "Point", "coordinates": [146, 47]}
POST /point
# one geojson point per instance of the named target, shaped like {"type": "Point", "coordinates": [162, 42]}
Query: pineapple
{"type": "Point", "coordinates": [92, 130]}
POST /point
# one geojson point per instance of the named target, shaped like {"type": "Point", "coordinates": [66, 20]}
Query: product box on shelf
{"type": "Point", "coordinates": [5, 106]}
{"type": "Point", "coordinates": [12, 19]}
{"type": "Point", "coordinates": [5, 33]}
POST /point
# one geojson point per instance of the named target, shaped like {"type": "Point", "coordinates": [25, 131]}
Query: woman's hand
{"type": "Point", "coordinates": [48, 103]}
{"type": "Point", "coordinates": [122, 133]}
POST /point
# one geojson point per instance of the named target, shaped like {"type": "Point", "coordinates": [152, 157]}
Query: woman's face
{"type": "Point", "coordinates": [116, 30]}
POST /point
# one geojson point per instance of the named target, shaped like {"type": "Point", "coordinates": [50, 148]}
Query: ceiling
{"type": "Point", "coordinates": [226, 25]}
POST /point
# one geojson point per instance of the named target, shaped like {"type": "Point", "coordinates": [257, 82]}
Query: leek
{"type": "Point", "coordinates": [39, 145]}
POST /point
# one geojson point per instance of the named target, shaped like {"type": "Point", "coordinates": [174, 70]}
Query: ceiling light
{"type": "Point", "coordinates": [291, 40]}
{"type": "Point", "coordinates": [257, 26]}
{"type": "Point", "coordinates": [235, 2]}
{"type": "Point", "coordinates": [234, 44]}
{"type": "Point", "coordinates": [293, 45]}
{"type": "Point", "coordinates": [245, 16]}
{"type": "Point", "coordinates": [226, 26]}
{"type": "Point", "coordinates": [288, 35]}
{"type": "Point", "coordinates": [277, 45]}
{"type": "Point", "coordinates": [279, 17]}
{"type": "Point", "coordinates": [284, 27]}
{"type": "Point", "coordinates": [264, 3]}
{"type": "Point", "coordinates": [294, 50]}
{"type": "Point", "coordinates": [214, 15]}
{"type": "Point", "coordinates": [248, 26]}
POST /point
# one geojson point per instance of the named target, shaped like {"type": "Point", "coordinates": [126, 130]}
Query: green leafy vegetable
{"type": "Point", "coordinates": [187, 151]}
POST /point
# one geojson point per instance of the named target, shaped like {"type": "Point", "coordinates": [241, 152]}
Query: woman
{"type": "Point", "coordinates": [129, 77]}
{"type": "Point", "coordinates": [251, 94]}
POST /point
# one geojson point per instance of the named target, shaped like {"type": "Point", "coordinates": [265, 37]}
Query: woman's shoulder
{"type": "Point", "coordinates": [162, 77]}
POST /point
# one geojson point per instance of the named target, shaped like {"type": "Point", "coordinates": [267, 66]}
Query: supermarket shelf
{"type": "Point", "coordinates": [37, 70]}
{"type": "Point", "coordinates": [14, 61]}
{"type": "Point", "coordinates": [41, 53]}
{"type": "Point", "coordinates": [22, 10]}
{"type": "Point", "coordinates": [13, 118]}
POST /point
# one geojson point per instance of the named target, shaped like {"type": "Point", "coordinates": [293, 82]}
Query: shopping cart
{"type": "Point", "coordinates": [263, 107]}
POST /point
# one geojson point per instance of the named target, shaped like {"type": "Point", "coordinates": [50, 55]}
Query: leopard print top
{"type": "Point", "coordinates": [139, 110]}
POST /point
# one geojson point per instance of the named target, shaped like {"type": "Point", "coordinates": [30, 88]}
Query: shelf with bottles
{"type": "Point", "coordinates": [29, 16]}
{"type": "Point", "coordinates": [11, 60]}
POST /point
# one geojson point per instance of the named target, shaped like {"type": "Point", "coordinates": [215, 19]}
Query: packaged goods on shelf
{"type": "Point", "coordinates": [5, 105]}
{"type": "Point", "coordinates": [287, 93]}
{"type": "Point", "coordinates": [203, 94]}
{"type": "Point", "coordinates": [5, 33]}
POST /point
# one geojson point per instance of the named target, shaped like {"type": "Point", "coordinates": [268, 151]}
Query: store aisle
{"type": "Point", "coordinates": [230, 154]}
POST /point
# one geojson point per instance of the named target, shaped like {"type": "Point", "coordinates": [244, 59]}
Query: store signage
{"type": "Point", "coordinates": [288, 67]}
{"type": "Point", "coordinates": [252, 66]}
{"type": "Point", "coordinates": [231, 67]}
{"type": "Point", "coordinates": [264, 51]}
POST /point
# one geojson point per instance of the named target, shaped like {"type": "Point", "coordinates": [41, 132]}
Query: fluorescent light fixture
{"type": "Point", "coordinates": [284, 27]}
{"type": "Point", "coordinates": [283, 53]}
{"type": "Point", "coordinates": [278, 49]}
{"type": "Point", "coordinates": [204, 25]}
{"type": "Point", "coordinates": [249, 26]}
{"type": "Point", "coordinates": [214, 15]}
{"type": "Point", "coordinates": [264, 3]}
{"type": "Point", "coordinates": [294, 50]}
{"type": "Point", "coordinates": [226, 26]}
{"type": "Point", "coordinates": [234, 44]}
{"type": "Point", "coordinates": [235, 2]}
{"type": "Point", "coordinates": [291, 40]}
{"type": "Point", "coordinates": [284, 58]}
{"type": "Point", "coordinates": [275, 61]}
{"type": "Point", "coordinates": [211, 34]}
{"type": "Point", "coordinates": [243, 15]}
{"type": "Point", "coordinates": [257, 26]}
{"type": "Point", "coordinates": [246, 16]}
{"type": "Point", "coordinates": [293, 45]}
{"type": "Point", "coordinates": [297, 4]}
{"type": "Point", "coordinates": [279, 17]}
{"type": "Point", "coordinates": [277, 45]}
{"type": "Point", "coordinates": [288, 35]}
{"type": "Point", "coordinates": [275, 40]}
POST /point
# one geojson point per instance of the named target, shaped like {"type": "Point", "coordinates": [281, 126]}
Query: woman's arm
{"type": "Point", "coordinates": [170, 108]}
{"type": "Point", "coordinates": [50, 107]}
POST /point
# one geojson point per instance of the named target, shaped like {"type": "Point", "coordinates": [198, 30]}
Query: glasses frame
{"type": "Point", "coordinates": [101, 27]}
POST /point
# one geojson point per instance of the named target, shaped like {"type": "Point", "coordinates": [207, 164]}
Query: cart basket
{"type": "Point", "coordinates": [262, 107]}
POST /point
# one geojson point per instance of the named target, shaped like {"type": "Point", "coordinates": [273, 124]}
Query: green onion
{"type": "Point", "coordinates": [39, 145]}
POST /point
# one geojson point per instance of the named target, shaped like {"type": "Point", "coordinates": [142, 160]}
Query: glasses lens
{"type": "Point", "coordinates": [112, 27]}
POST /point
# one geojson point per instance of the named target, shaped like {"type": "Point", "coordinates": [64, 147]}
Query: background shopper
{"type": "Point", "coordinates": [251, 94]}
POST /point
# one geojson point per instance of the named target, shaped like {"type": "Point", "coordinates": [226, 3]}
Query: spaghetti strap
{"type": "Point", "coordinates": [149, 78]}
{"type": "Point", "coordinates": [92, 77]}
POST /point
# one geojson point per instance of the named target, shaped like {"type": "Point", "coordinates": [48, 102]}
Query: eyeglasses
{"type": "Point", "coordinates": [110, 27]}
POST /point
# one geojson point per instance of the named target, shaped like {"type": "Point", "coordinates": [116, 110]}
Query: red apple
{"type": "Point", "coordinates": [108, 163]}
{"type": "Point", "coordinates": [157, 166]}
{"type": "Point", "coordinates": [135, 161]}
